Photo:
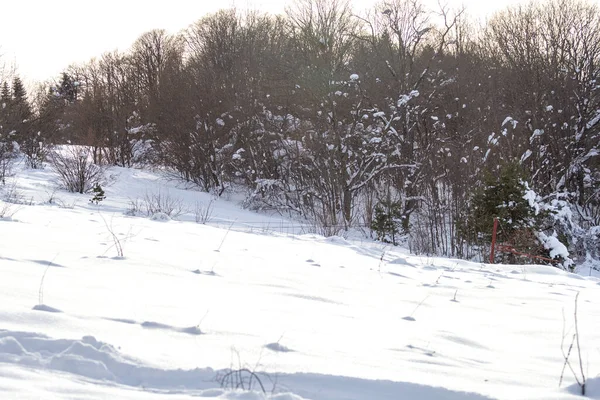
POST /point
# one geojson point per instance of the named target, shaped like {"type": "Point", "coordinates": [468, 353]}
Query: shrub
{"type": "Point", "coordinates": [203, 212]}
{"type": "Point", "coordinates": [75, 168]}
{"type": "Point", "coordinates": [157, 203]}
{"type": "Point", "coordinates": [35, 150]}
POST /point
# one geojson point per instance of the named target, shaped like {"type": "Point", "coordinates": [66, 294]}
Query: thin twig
{"type": "Point", "coordinates": [116, 240]}
{"type": "Point", "coordinates": [225, 237]}
{"type": "Point", "coordinates": [579, 348]}
{"type": "Point", "coordinates": [41, 288]}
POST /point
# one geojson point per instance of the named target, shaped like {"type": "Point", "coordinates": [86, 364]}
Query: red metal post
{"type": "Point", "coordinates": [493, 241]}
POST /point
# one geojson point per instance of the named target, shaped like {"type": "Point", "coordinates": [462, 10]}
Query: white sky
{"type": "Point", "coordinates": [42, 37]}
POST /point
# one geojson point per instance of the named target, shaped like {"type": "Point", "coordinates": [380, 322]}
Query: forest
{"type": "Point", "coordinates": [412, 125]}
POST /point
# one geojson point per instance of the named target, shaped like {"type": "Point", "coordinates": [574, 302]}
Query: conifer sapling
{"type": "Point", "coordinates": [98, 194]}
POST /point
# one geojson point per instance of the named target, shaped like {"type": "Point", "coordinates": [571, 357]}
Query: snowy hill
{"type": "Point", "coordinates": [307, 317]}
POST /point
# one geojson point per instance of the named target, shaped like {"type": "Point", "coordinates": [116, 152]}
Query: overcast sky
{"type": "Point", "coordinates": [42, 37]}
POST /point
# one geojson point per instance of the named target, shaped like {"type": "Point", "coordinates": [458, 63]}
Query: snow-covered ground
{"type": "Point", "coordinates": [312, 317]}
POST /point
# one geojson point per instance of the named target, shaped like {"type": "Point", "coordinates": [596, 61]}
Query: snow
{"type": "Point", "coordinates": [487, 153]}
{"type": "Point", "coordinates": [512, 121]}
{"type": "Point", "coordinates": [557, 249]}
{"type": "Point", "coordinates": [526, 155]}
{"type": "Point", "coordinates": [532, 200]}
{"type": "Point", "coordinates": [536, 133]}
{"type": "Point", "coordinates": [322, 318]}
{"type": "Point", "coordinates": [404, 99]}
{"type": "Point", "coordinates": [594, 120]}
{"type": "Point", "coordinates": [592, 388]}
{"type": "Point", "coordinates": [238, 154]}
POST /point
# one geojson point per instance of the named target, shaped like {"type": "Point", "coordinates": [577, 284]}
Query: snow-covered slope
{"type": "Point", "coordinates": [315, 318]}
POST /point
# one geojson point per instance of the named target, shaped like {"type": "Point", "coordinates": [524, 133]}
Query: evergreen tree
{"type": "Point", "coordinates": [502, 196]}
{"type": "Point", "coordinates": [5, 95]}
{"type": "Point", "coordinates": [16, 110]}
{"type": "Point", "coordinates": [18, 90]}
{"type": "Point", "coordinates": [51, 117]}
{"type": "Point", "coordinates": [20, 104]}
{"type": "Point", "coordinates": [67, 88]}
{"type": "Point", "coordinates": [6, 146]}
{"type": "Point", "coordinates": [98, 194]}
{"type": "Point", "coordinates": [20, 113]}
{"type": "Point", "coordinates": [5, 102]}
{"type": "Point", "coordinates": [387, 221]}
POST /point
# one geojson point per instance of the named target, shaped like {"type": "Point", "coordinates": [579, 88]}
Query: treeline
{"type": "Point", "coordinates": [399, 120]}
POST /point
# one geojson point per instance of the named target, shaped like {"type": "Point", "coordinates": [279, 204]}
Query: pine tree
{"type": "Point", "coordinates": [6, 147]}
{"type": "Point", "coordinates": [16, 110]}
{"type": "Point", "coordinates": [5, 102]}
{"type": "Point", "coordinates": [20, 104]}
{"type": "Point", "coordinates": [49, 116]}
{"type": "Point", "coordinates": [20, 123]}
{"type": "Point", "coordinates": [98, 194]}
{"type": "Point", "coordinates": [387, 221]}
{"type": "Point", "coordinates": [18, 90]}
{"type": "Point", "coordinates": [5, 96]}
{"type": "Point", "coordinates": [67, 88]}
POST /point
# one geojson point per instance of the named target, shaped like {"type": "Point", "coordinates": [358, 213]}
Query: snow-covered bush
{"type": "Point", "coordinates": [268, 194]}
{"type": "Point", "coordinates": [162, 203]}
{"type": "Point", "coordinates": [11, 194]}
{"type": "Point", "coordinates": [160, 217]}
{"type": "Point", "coordinates": [570, 234]}
{"type": "Point", "coordinates": [157, 205]}
{"type": "Point", "coordinates": [11, 200]}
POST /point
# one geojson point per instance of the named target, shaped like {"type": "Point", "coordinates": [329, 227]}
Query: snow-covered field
{"type": "Point", "coordinates": [313, 317]}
